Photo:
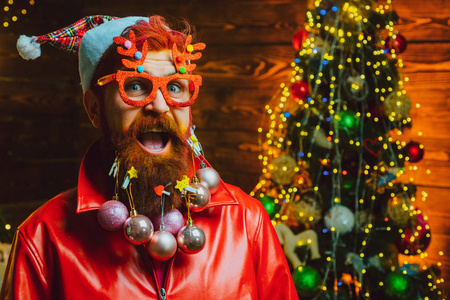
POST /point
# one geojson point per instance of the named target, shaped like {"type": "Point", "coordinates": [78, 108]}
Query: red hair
{"type": "Point", "coordinates": [159, 35]}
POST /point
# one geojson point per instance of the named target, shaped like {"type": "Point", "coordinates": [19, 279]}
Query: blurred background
{"type": "Point", "coordinates": [44, 131]}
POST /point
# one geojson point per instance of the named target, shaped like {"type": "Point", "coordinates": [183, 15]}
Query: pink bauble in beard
{"type": "Point", "coordinates": [112, 215]}
{"type": "Point", "coordinates": [173, 221]}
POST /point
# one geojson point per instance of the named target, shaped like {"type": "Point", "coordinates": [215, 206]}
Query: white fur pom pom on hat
{"type": "Point", "coordinates": [28, 47]}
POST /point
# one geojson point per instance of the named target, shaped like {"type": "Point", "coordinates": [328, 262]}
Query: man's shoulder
{"type": "Point", "coordinates": [245, 200]}
{"type": "Point", "coordinates": [54, 210]}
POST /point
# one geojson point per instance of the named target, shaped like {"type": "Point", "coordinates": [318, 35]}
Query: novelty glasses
{"type": "Point", "coordinates": [140, 88]}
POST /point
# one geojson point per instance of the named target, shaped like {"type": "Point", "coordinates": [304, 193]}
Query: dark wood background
{"type": "Point", "coordinates": [44, 131]}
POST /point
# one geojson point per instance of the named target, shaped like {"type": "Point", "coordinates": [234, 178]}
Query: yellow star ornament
{"type": "Point", "coordinates": [132, 173]}
{"type": "Point", "coordinates": [181, 185]}
{"type": "Point", "coordinates": [194, 139]}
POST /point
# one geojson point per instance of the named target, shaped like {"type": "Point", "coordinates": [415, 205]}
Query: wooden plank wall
{"type": "Point", "coordinates": [44, 131]}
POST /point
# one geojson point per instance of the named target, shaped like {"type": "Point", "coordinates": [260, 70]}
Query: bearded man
{"type": "Point", "coordinates": [138, 85]}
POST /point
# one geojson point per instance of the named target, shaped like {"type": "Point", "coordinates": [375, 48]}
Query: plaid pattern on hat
{"type": "Point", "coordinates": [69, 38]}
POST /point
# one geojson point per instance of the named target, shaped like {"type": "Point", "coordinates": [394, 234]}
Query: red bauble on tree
{"type": "Point", "coordinates": [398, 43]}
{"type": "Point", "coordinates": [299, 38]}
{"type": "Point", "coordinates": [416, 236]}
{"type": "Point", "coordinates": [299, 90]}
{"type": "Point", "coordinates": [414, 151]}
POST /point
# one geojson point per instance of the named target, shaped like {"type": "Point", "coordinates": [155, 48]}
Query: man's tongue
{"type": "Point", "coordinates": [152, 140]}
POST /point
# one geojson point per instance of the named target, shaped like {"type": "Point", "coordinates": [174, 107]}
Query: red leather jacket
{"type": "Point", "coordinates": [61, 252]}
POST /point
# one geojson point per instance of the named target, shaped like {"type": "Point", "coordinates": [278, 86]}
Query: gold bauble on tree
{"type": "Point", "coordinates": [398, 210]}
{"type": "Point", "coordinates": [396, 106]}
{"type": "Point", "coordinates": [282, 169]}
{"type": "Point", "coordinates": [307, 208]}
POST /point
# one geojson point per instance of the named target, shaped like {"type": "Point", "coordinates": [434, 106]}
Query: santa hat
{"type": "Point", "coordinates": [89, 37]}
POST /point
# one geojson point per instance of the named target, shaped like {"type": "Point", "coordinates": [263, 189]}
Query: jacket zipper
{"type": "Point", "coordinates": [162, 292]}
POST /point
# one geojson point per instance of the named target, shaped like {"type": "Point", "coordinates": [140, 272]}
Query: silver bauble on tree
{"type": "Point", "coordinates": [341, 218]}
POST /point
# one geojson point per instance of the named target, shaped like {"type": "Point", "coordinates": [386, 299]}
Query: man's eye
{"type": "Point", "coordinates": [134, 86]}
{"type": "Point", "coordinates": [173, 88]}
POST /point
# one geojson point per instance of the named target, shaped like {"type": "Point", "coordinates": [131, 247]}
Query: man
{"type": "Point", "coordinates": [138, 89]}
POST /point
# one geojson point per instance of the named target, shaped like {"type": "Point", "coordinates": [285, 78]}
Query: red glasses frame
{"type": "Point", "coordinates": [159, 83]}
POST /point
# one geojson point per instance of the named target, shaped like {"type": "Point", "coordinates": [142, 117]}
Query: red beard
{"type": "Point", "coordinates": [152, 170]}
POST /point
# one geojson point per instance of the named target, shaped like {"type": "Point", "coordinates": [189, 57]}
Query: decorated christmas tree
{"type": "Point", "coordinates": [5, 240]}
{"type": "Point", "coordinates": [335, 168]}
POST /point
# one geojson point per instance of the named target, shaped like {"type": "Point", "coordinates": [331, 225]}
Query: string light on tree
{"type": "Point", "coordinates": [334, 133]}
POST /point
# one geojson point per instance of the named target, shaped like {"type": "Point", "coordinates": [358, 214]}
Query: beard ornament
{"type": "Point", "coordinates": [138, 229]}
{"type": "Point", "coordinates": [158, 147]}
{"type": "Point", "coordinates": [208, 177]}
{"type": "Point", "coordinates": [162, 245]}
{"type": "Point", "coordinates": [113, 213]}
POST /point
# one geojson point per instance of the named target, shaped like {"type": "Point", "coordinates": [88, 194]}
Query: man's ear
{"type": "Point", "coordinates": [92, 106]}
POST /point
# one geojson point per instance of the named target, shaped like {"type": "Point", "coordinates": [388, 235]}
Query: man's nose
{"type": "Point", "coordinates": [158, 105]}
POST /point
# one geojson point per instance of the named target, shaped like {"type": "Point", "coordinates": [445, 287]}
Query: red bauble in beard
{"type": "Point", "coordinates": [153, 170]}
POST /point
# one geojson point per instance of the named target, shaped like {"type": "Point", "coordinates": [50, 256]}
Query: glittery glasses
{"type": "Point", "coordinates": [138, 88]}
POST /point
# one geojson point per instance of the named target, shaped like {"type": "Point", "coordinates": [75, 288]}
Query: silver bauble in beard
{"type": "Point", "coordinates": [173, 221]}
{"type": "Point", "coordinates": [191, 239]}
{"type": "Point", "coordinates": [112, 215]}
{"type": "Point", "coordinates": [209, 178]}
{"type": "Point", "coordinates": [138, 229]}
{"type": "Point", "coordinates": [200, 200]}
{"type": "Point", "coordinates": [162, 245]}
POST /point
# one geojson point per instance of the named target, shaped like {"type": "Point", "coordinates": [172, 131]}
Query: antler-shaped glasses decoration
{"type": "Point", "coordinates": [138, 88]}
{"type": "Point", "coordinates": [186, 55]}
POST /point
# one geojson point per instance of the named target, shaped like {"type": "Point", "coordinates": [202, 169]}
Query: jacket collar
{"type": "Point", "coordinates": [94, 188]}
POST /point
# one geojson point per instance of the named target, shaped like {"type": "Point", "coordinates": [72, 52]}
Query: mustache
{"type": "Point", "coordinates": [145, 124]}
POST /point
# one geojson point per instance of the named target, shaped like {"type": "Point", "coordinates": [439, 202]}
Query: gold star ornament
{"type": "Point", "coordinates": [182, 184]}
{"type": "Point", "coordinates": [132, 173]}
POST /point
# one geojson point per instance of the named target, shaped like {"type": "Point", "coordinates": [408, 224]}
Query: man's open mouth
{"type": "Point", "coordinates": [155, 141]}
